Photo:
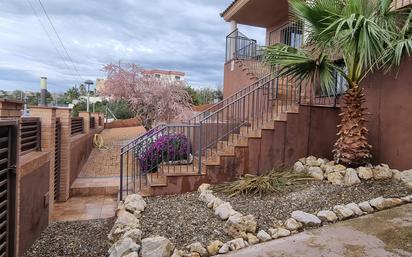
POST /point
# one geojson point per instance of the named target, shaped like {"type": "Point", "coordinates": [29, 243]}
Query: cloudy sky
{"type": "Point", "coordinates": [185, 35]}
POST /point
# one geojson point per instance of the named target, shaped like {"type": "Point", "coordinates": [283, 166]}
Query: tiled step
{"type": "Point", "coordinates": [95, 186]}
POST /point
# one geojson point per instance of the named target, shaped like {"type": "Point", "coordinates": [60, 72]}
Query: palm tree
{"type": "Point", "coordinates": [366, 35]}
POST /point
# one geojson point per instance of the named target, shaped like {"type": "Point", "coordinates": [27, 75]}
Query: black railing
{"type": "Point", "coordinates": [30, 135]}
{"type": "Point", "coordinates": [76, 125]}
{"type": "Point", "coordinates": [92, 123]}
{"type": "Point", "coordinates": [235, 42]}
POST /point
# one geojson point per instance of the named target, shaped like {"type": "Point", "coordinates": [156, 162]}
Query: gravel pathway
{"type": "Point", "coordinates": [311, 197]}
{"type": "Point", "coordinates": [73, 239]}
{"type": "Point", "coordinates": [184, 219]}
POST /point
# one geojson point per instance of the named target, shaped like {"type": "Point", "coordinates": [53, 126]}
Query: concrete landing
{"type": "Point", "coordinates": [385, 233]}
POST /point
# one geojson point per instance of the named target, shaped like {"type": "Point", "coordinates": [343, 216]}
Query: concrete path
{"type": "Point", "coordinates": [385, 233]}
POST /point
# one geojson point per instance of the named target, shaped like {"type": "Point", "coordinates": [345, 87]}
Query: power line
{"type": "Point", "coordinates": [51, 40]}
{"type": "Point", "coordinates": [60, 40]}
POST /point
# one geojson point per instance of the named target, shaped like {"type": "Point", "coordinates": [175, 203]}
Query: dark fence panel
{"type": "Point", "coordinates": [57, 159]}
{"type": "Point", "coordinates": [92, 122]}
{"type": "Point", "coordinates": [30, 135]}
{"type": "Point", "coordinates": [77, 125]}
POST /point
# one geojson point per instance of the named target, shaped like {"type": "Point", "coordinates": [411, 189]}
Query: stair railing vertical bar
{"type": "Point", "coordinates": [30, 135]}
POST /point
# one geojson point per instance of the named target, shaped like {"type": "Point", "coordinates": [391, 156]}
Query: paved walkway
{"type": "Point", "coordinates": [385, 233]}
{"type": "Point", "coordinates": [105, 162]}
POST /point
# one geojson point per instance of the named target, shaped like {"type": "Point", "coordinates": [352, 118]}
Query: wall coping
{"type": "Point", "coordinates": [32, 161]}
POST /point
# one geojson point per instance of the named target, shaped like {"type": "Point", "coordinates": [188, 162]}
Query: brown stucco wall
{"type": "Point", "coordinates": [389, 98]}
{"type": "Point", "coordinates": [34, 214]}
{"type": "Point", "coordinates": [80, 148]}
{"type": "Point", "coordinates": [234, 80]}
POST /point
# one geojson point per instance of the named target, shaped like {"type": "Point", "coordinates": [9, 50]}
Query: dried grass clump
{"type": "Point", "coordinates": [274, 182]}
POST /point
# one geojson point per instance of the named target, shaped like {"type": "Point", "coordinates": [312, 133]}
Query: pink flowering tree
{"type": "Point", "coordinates": [151, 99]}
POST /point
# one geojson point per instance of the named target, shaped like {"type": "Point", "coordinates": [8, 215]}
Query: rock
{"type": "Point", "coordinates": [252, 239]}
{"type": "Point", "coordinates": [351, 178]}
{"type": "Point", "coordinates": [365, 173]}
{"type": "Point", "coordinates": [335, 178]}
{"type": "Point", "coordinates": [194, 254]}
{"type": "Point", "coordinates": [407, 199]}
{"type": "Point", "coordinates": [224, 211]}
{"type": "Point", "coordinates": [263, 236]}
{"type": "Point", "coordinates": [408, 185]}
{"type": "Point", "coordinates": [156, 247]}
{"type": "Point", "coordinates": [238, 226]}
{"type": "Point", "coordinates": [396, 175]}
{"type": "Point", "coordinates": [406, 177]}
{"type": "Point", "coordinates": [224, 249]}
{"type": "Point", "coordinates": [311, 161]}
{"type": "Point", "coordinates": [342, 212]}
{"type": "Point", "coordinates": [316, 173]}
{"type": "Point", "coordinates": [382, 172]}
{"type": "Point", "coordinates": [306, 218]}
{"type": "Point", "coordinates": [206, 196]}
{"type": "Point", "coordinates": [292, 224]}
{"type": "Point", "coordinates": [216, 202]}
{"type": "Point", "coordinates": [125, 221]}
{"type": "Point", "coordinates": [123, 247]}
{"type": "Point", "coordinates": [335, 168]}
{"type": "Point", "coordinates": [299, 167]}
{"type": "Point", "coordinates": [213, 247]}
{"type": "Point", "coordinates": [328, 216]}
{"type": "Point", "coordinates": [178, 253]}
{"type": "Point", "coordinates": [303, 161]}
{"type": "Point", "coordinates": [198, 248]}
{"type": "Point", "coordinates": [203, 187]}
{"type": "Point", "coordinates": [322, 161]}
{"type": "Point", "coordinates": [366, 207]}
{"type": "Point", "coordinates": [278, 232]}
{"type": "Point", "coordinates": [134, 203]}
{"type": "Point", "coordinates": [381, 203]}
{"type": "Point", "coordinates": [133, 254]}
{"type": "Point", "coordinates": [236, 244]}
{"type": "Point", "coordinates": [134, 234]}
{"type": "Point", "coordinates": [355, 208]}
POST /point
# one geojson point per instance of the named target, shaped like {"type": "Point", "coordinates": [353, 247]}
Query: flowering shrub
{"type": "Point", "coordinates": [166, 148]}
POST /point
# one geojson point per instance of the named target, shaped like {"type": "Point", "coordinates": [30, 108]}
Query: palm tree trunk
{"type": "Point", "coordinates": [352, 148]}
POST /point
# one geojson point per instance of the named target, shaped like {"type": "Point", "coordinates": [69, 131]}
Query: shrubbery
{"type": "Point", "coordinates": [165, 148]}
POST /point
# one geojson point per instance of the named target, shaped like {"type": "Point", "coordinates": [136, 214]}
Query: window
{"type": "Point", "coordinates": [177, 77]}
{"type": "Point", "coordinates": [157, 76]}
{"type": "Point", "coordinates": [292, 35]}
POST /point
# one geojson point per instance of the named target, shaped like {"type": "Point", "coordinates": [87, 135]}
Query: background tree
{"type": "Point", "coordinates": [368, 35]}
{"type": "Point", "coordinates": [150, 99]}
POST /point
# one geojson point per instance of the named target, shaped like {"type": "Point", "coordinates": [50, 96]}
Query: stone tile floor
{"type": "Point", "coordinates": [106, 162]}
{"type": "Point", "coordinates": [85, 208]}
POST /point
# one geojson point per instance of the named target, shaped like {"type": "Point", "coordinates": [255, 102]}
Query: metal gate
{"type": "Point", "coordinates": [57, 159]}
{"type": "Point", "coordinates": [8, 137]}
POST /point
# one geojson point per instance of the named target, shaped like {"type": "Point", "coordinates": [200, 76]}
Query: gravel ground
{"type": "Point", "coordinates": [311, 197]}
{"type": "Point", "coordinates": [183, 219]}
{"type": "Point", "coordinates": [73, 239]}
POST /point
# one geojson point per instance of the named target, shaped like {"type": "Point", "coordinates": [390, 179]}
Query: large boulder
{"type": "Point", "coordinates": [342, 212]}
{"type": "Point", "coordinates": [198, 248]}
{"type": "Point", "coordinates": [124, 247]}
{"type": "Point", "coordinates": [306, 218]}
{"type": "Point", "coordinates": [365, 173]}
{"type": "Point", "coordinates": [238, 226]}
{"type": "Point", "coordinates": [157, 247]}
{"type": "Point", "coordinates": [382, 172]}
{"type": "Point", "coordinates": [351, 178]}
{"type": "Point", "coordinates": [134, 203]}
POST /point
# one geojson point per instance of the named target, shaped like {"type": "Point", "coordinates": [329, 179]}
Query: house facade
{"type": "Point", "coordinates": [165, 75]}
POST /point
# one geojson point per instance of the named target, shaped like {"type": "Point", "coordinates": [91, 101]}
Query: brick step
{"type": "Point", "coordinates": [95, 186]}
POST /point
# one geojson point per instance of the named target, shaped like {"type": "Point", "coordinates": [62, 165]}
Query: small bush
{"type": "Point", "coordinates": [273, 182]}
{"type": "Point", "coordinates": [165, 148]}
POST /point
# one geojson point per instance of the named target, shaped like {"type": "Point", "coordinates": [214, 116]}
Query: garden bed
{"type": "Point", "coordinates": [310, 197]}
{"type": "Point", "coordinates": [183, 219]}
{"type": "Point", "coordinates": [73, 239]}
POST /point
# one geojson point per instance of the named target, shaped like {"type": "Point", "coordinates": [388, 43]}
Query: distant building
{"type": "Point", "coordinates": [100, 84]}
{"type": "Point", "coordinates": [166, 75]}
